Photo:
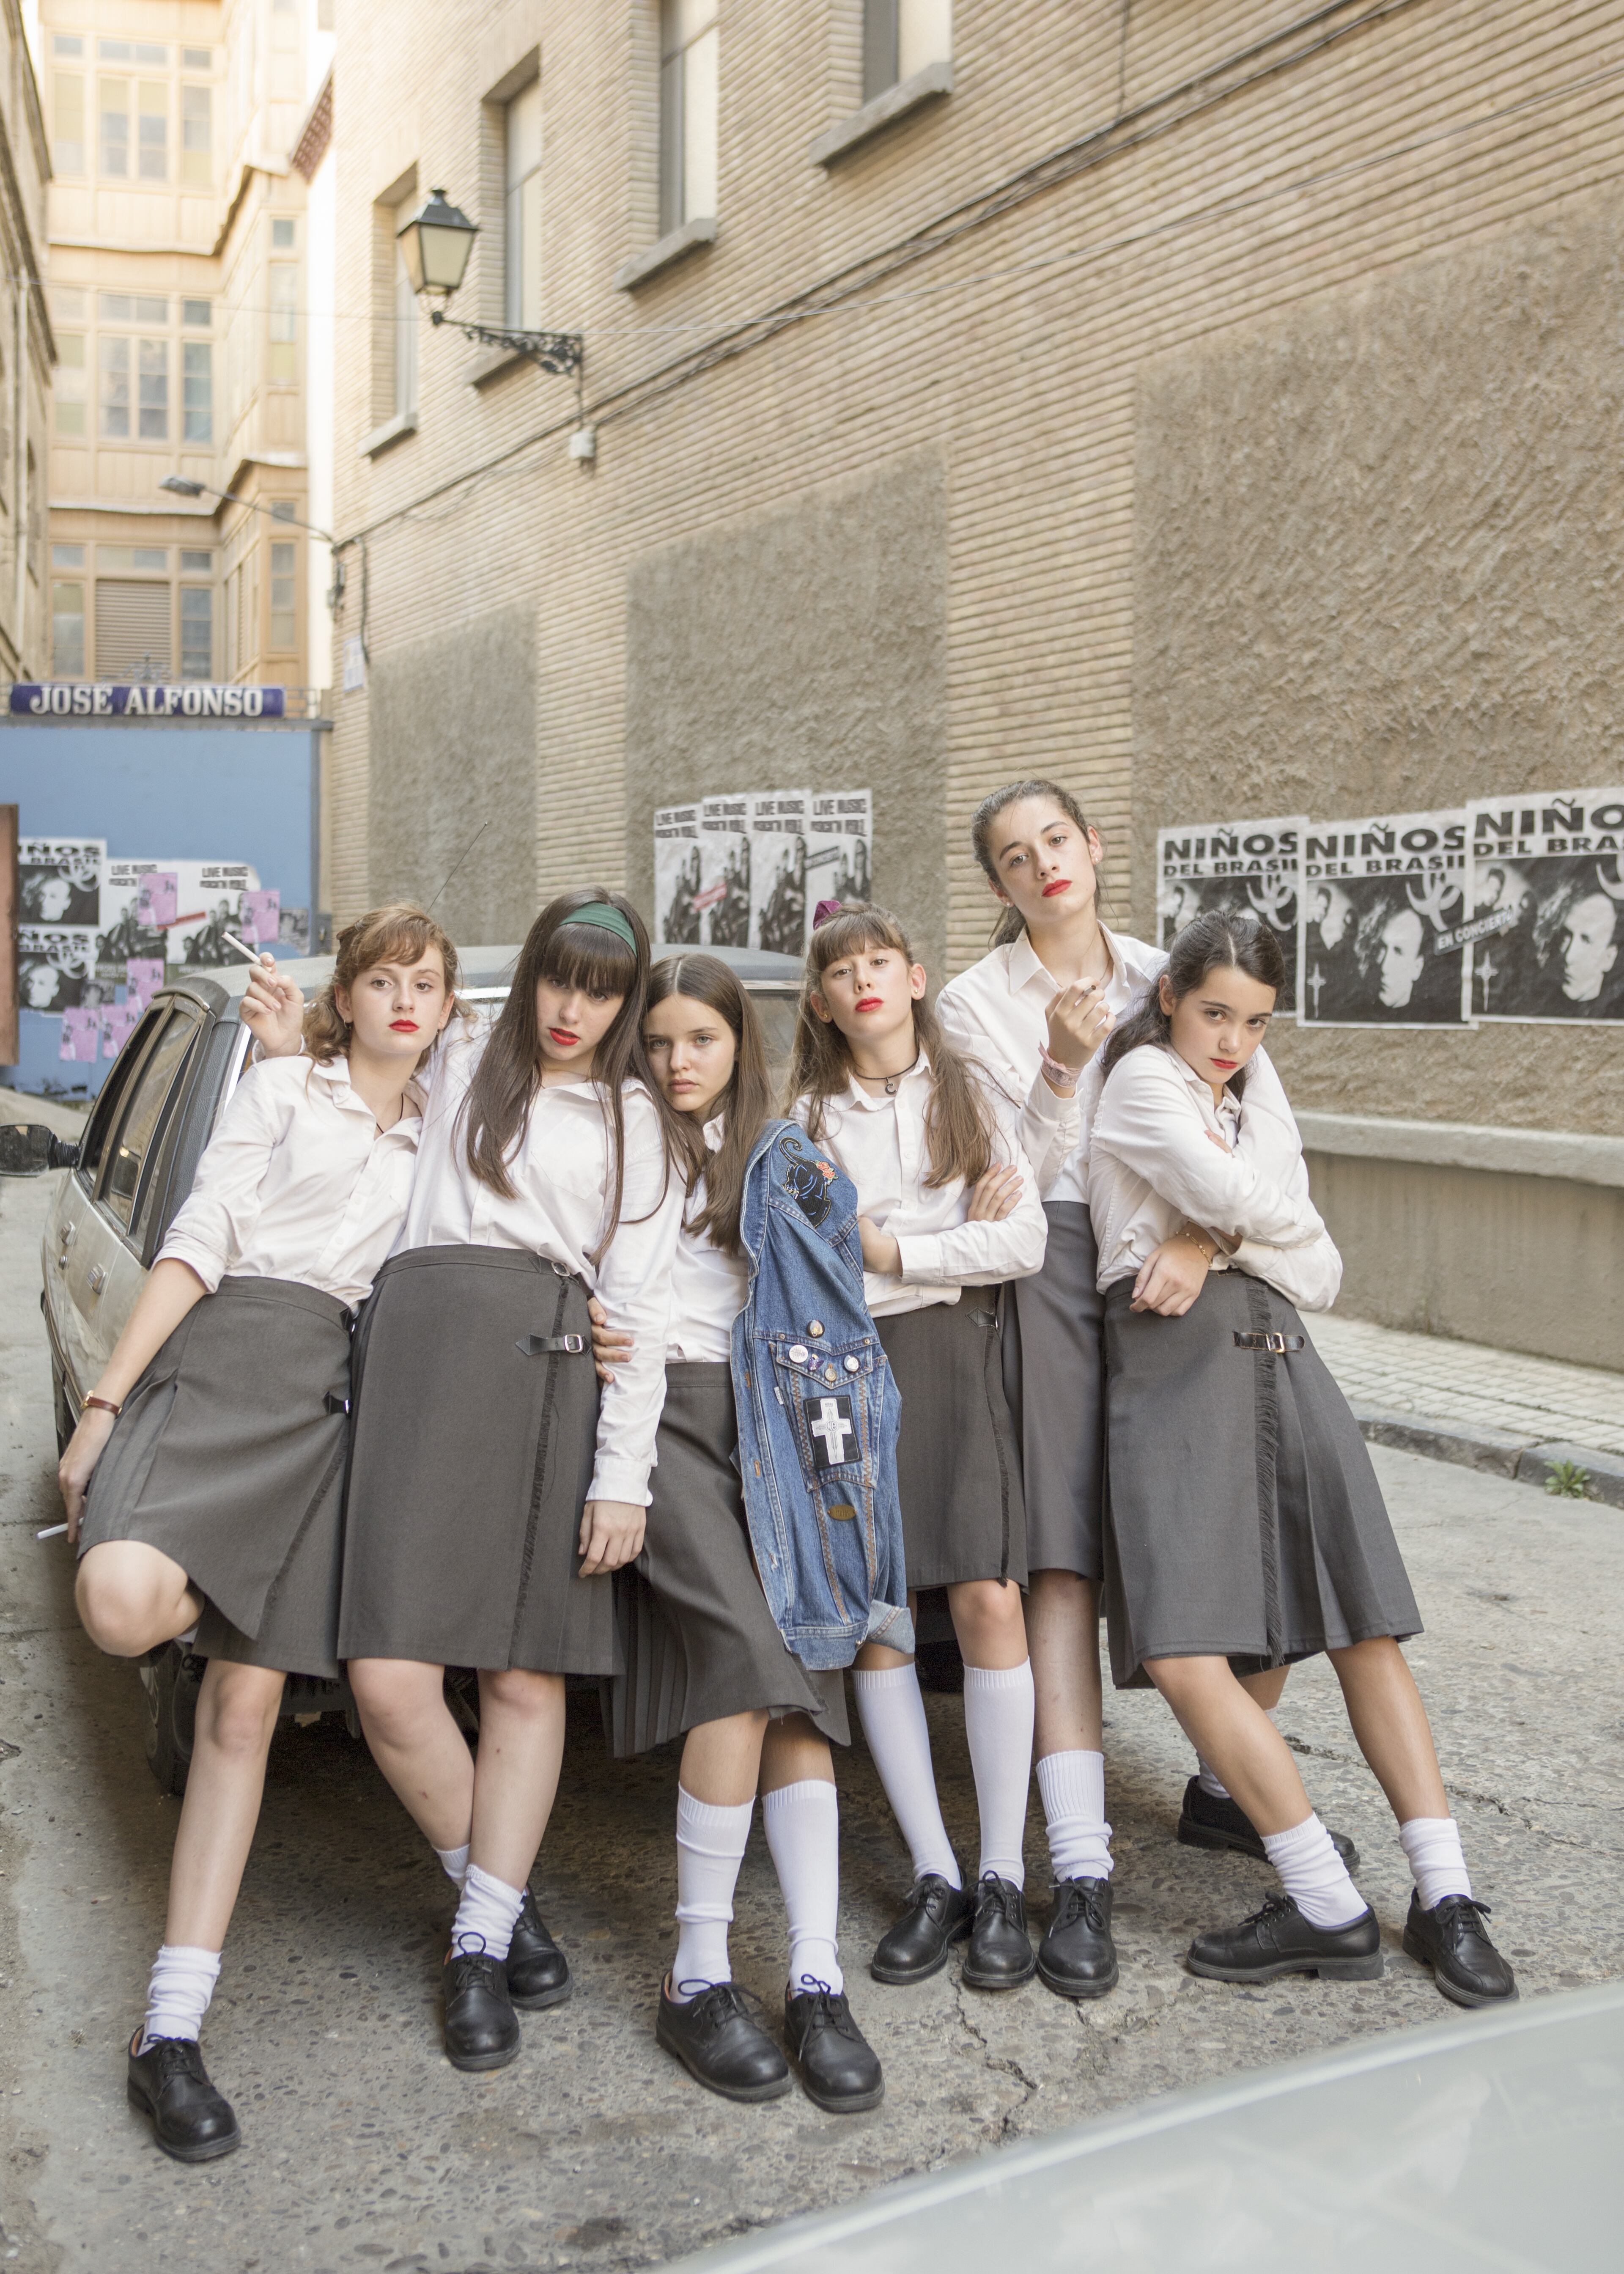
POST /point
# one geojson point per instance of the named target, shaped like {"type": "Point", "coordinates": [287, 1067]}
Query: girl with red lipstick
{"type": "Point", "coordinates": [1245, 1528]}
{"type": "Point", "coordinates": [949, 1212]}
{"type": "Point", "coordinates": [204, 1481]}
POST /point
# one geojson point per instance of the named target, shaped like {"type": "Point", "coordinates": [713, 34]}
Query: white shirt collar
{"type": "Point", "coordinates": [335, 1075]}
{"type": "Point", "coordinates": [714, 1132]}
{"type": "Point", "coordinates": [1201, 1089]}
{"type": "Point", "coordinates": [856, 1095]}
{"type": "Point", "coordinates": [1026, 964]}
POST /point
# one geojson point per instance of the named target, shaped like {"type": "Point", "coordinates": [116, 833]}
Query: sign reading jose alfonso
{"type": "Point", "coordinates": [1252, 868]}
{"type": "Point", "coordinates": [1547, 913]}
{"type": "Point", "coordinates": [1384, 936]}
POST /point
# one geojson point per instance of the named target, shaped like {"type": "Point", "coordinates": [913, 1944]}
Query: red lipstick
{"type": "Point", "coordinates": [1060, 884]}
{"type": "Point", "coordinates": [871, 1002]}
{"type": "Point", "coordinates": [562, 1037]}
{"type": "Point", "coordinates": [402, 1026]}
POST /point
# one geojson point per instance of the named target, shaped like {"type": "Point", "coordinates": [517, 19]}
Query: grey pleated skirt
{"type": "Point", "coordinates": [473, 1452]}
{"type": "Point", "coordinates": [958, 1461]}
{"type": "Point", "coordinates": [1054, 1378]}
{"type": "Point", "coordinates": [1243, 1516]}
{"type": "Point", "coordinates": [698, 1641]}
{"type": "Point", "coordinates": [229, 1456]}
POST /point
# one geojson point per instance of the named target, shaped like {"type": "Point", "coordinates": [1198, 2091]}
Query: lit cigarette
{"type": "Point", "coordinates": [51, 1532]}
{"type": "Point", "coordinates": [241, 946]}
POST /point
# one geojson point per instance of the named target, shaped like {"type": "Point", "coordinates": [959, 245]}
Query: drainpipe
{"type": "Point", "coordinates": [20, 481]}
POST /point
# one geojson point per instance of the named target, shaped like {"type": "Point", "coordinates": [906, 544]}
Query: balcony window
{"type": "Point", "coordinates": [115, 389]}
{"type": "Point", "coordinates": [113, 96]}
{"type": "Point", "coordinates": [405, 319]}
{"type": "Point", "coordinates": [153, 126]}
{"type": "Point", "coordinates": [196, 631]}
{"type": "Point", "coordinates": [67, 631]}
{"type": "Point", "coordinates": [688, 89]}
{"type": "Point", "coordinates": [70, 383]}
{"type": "Point", "coordinates": [521, 211]}
{"type": "Point", "coordinates": [284, 279]}
{"type": "Point", "coordinates": [198, 391]}
{"type": "Point", "coordinates": [68, 123]}
{"type": "Point", "coordinates": [284, 635]}
{"type": "Point", "coordinates": [197, 135]}
{"type": "Point", "coordinates": [900, 37]}
{"type": "Point", "coordinates": [153, 361]}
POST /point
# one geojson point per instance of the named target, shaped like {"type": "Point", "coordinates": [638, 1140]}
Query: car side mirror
{"type": "Point", "coordinates": [28, 1148]}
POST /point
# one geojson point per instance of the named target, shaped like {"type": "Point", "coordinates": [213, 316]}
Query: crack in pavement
{"type": "Point", "coordinates": [1468, 1793]}
{"type": "Point", "coordinates": [1005, 2062]}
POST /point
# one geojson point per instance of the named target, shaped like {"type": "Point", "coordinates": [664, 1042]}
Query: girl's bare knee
{"type": "Point", "coordinates": [516, 1690]}
{"type": "Point", "coordinates": [238, 1708]}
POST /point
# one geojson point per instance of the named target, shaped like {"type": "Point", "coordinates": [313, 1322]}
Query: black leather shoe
{"type": "Point", "coordinates": [1453, 1940]}
{"type": "Point", "coordinates": [537, 1971]}
{"type": "Point", "coordinates": [838, 2067]}
{"type": "Point", "coordinates": [481, 2029]}
{"type": "Point", "coordinates": [170, 2084]}
{"type": "Point", "coordinates": [1278, 1939]}
{"type": "Point", "coordinates": [1000, 1953]}
{"type": "Point", "coordinates": [1077, 1957]}
{"type": "Point", "coordinates": [935, 1916]}
{"type": "Point", "coordinates": [719, 2041]}
{"type": "Point", "coordinates": [1204, 1822]}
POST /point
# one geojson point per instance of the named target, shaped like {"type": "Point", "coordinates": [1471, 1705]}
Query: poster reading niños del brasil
{"type": "Point", "coordinates": [1547, 913]}
{"type": "Point", "coordinates": [724, 869]}
{"type": "Point", "coordinates": [779, 870]}
{"type": "Point", "coordinates": [677, 879]}
{"type": "Point", "coordinates": [1248, 866]}
{"type": "Point", "coordinates": [1383, 935]}
{"type": "Point", "coordinates": [59, 879]}
{"type": "Point", "coordinates": [839, 846]}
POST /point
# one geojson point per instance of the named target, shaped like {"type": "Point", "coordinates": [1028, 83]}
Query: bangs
{"type": "Point", "coordinates": [851, 931]}
{"type": "Point", "coordinates": [586, 955]}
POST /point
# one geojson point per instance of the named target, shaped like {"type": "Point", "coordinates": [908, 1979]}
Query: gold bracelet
{"type": "Point", "coordinates": [1188, 1231]}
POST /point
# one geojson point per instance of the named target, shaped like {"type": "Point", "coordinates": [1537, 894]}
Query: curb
{"type": "Point", "coordinates": [1492, 1452]}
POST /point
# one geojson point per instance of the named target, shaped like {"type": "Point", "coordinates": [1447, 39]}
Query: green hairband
{"type": "Point", "coordinates": [605, 918]}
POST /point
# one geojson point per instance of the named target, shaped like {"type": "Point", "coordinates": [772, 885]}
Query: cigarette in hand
{"type": "Point", "coordinates": [242, 947]}
{"type": "Point", "coordinates": [51, 1532]}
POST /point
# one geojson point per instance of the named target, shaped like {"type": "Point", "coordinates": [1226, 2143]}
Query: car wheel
{"type": "Point", "coordinates": [64, 1411]}
{"type": "Point", "coordinates": [170, 1686]}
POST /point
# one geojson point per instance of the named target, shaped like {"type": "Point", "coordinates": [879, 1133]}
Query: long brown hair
{"type": "Point", "coordinates": [1218, 941]}
{"type": "Point", "coordinates": [747, 1102]}
{"type": "Point", "coordinates": [508, 1074]}
{"type": "Point", "coordinates": [1010, 924]}
{"type": "Point", "coordinates": [959, 1129]}
{"type": "Point", "coordinates": [399, 933]}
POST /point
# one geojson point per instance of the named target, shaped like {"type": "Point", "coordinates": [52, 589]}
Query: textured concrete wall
{"type": "Point", "coordinates": [454, 722]}
{"type": "Point", "coordinates": [803, 646]}
{"type": "Point", "coordinates": [1528, 1263]}
{"type": "Point", "coordinates": [1379, 563]}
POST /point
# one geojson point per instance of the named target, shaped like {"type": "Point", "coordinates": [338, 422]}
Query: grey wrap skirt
{"type": "Point", "coordinates": [1243, 1516]}
{"type": "Point", "coordinates": [229, 1456]}
{"type": "Point", "coordinates": [958, 1461]}
{"type": "Point", "coordinates": [474, 1447]}
{"type": "Point", "coordinates": [698, 1641]}
{"type": "Point", "coordinates": [1054, 1377]}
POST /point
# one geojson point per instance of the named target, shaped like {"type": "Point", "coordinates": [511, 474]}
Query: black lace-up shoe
{"type": "Point", "coordinates": [718, 2040]}
{"type": "Point", "coordinates": [1077, 1957]}
{"type": "Point", "coordinates": [537, 1971]}
{"type": "Point", "coordinates": [1000, 1955]}
{"type": "Point", "coordinates": [170, 2084]}
{"type": "Point", "coordinates": [1204, 1822]}
{"type": "Point", "coordinates": [1278, 1939]}
{"type": "Point", "coordinates": [838, 2067]}
{"type": "Point", "coordinates": [481, 2029]}
{"type": "Point", "coordinates": [935, 1916]}
{"type": "Point", "coordinates": [1453, 1940]}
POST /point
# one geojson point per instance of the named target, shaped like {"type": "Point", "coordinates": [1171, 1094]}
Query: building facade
{"type": "Point", "coordinates": [1210, 409]}
{"type": "Point", "coordinates": [27, 352]}
{"type": "Point", "coordinates": [180, 251]}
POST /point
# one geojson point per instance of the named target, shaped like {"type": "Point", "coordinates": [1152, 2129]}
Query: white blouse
{"type": "Point", "coordinates": [996, 1013]}
{"type": "Point", "coordinates": [707, 1286]}
{"type": "Point", "coordinates": [297, 1182]}
{"type": "Point", "coordinates": [560, 1170]}
{"type": "Point", "coordinates": [1153, 1165]}
{"type": "Point", "coordinates": [880, 1143]}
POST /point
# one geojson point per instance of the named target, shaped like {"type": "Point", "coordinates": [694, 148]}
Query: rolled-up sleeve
{"type": "Point", "coordinates": [634, 1282]}
{"type": "Point", "coordinates": [1145, 1119]}
{"type": "Point", "coordinates": [218, 1216]}
{"type": "Point", "coordinates": [1309, 1275]}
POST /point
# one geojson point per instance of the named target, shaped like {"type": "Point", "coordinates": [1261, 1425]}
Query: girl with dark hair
{"type": "Point", "coordinates": [949, 1211]}
{"type": "Point", "coordinates": [704, 1655]}
{"type": "Point", "coordinates": [1245, 1528]}
{"type": "Point", "coordinates": [204, 1481]}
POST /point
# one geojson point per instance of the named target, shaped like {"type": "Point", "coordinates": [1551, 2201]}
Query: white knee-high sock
{"type": "Point", "coordinates": [1313, 1874]}
{"type": "Point", "coordinates": [183, 1981]}
{"type": "Point", "coordinates": [1432, 1844]}
{"type": "Point", "coordinates": [1208, 1776]}
{"type": "Point", "coordinates": [1079, 1839]}
{"type": "Point", "coordinates": [710, 1844]}
{"type": "Point", "coordinates": [892, 1714]}
{"type": "Point", "coordinates": [803, 1834]}
{"type": "Point", "coordinates": [488, 1909]}
{"type": "Point", "coordinates": [998, 1713]}
{"type": "Point", "coordinates": [454, 1862]}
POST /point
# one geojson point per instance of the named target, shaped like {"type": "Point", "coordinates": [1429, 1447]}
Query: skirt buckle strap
{"type": "Point", "coordinates": [550, 1345]}
{"type": "Point", "coordinates": [335, 1404]}
{"type": "Point", "coordinates": [1277, 1342]}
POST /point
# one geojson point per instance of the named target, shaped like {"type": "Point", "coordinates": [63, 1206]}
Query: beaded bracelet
{"type": "Point", "coordinates": [1064, 1075]}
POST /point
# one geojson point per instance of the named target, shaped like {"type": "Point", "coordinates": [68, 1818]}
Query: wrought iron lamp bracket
{"type": "Point", "coordinates": [562, 352]}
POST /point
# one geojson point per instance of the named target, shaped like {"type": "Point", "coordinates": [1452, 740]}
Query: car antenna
{"type": "Point", "coordinates": [463, 856]}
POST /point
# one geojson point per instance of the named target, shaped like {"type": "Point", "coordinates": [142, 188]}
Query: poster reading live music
{"type": "Point", "coordinates": [1384, 934]}
{"type": "Point", "coordinates": [1547, 913]}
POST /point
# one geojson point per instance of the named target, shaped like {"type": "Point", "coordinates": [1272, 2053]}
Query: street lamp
{"type": "Point", "coordinates": [183, 485]}
{"type": "Point", "coordinates": [435, 245]}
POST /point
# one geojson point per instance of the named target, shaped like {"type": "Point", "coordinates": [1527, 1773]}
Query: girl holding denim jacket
{"type": "Point", "coordinates": [702, 1653]}
{"type": "Point", "coordinates": [950, 1210]}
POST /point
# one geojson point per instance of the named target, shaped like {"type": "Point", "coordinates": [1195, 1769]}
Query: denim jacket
{"type": "Point", "coordinates": [818, 1412]}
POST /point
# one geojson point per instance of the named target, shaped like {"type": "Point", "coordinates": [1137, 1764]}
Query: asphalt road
{"type": "Point", "coordinates": [363, 2150]}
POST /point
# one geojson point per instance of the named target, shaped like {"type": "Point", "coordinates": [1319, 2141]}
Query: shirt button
{"type": "Point", "coordinates": [851, 1365]}
{"type": "Point", "coordinates": [814, 1327]}
{"type": "Point", "coordinates": [799, 1353]}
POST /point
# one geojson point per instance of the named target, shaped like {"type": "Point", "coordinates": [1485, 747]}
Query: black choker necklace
{"type": "Point", "coordinates": [893, 1080]}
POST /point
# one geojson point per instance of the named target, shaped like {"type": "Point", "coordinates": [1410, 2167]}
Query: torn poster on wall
{"type": "Point", "coordinates": [1547, 905]}
{"type": "Point", "coordinates": [1253, 868]}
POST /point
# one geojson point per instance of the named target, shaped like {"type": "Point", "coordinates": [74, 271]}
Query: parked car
{"type": "Point", "coordinates": [127, 1177]}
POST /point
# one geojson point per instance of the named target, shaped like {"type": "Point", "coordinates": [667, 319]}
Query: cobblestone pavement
{"type": "Point", "coordinates": [1539, 1399]}
{"type": "Point", "coordinates": [364, 2151]}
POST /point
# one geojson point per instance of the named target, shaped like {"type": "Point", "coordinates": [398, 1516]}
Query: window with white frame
{"type": "Point", "coordinates": [900, 37]}
{"type": "Point", "coordinates": [196, 631]}
{"type": "Point", "coordinates": [522, 210]}
{"type": "Point", "coordinates": [688, 92]}
{"type": "Point", "coordinates": [405, 317]}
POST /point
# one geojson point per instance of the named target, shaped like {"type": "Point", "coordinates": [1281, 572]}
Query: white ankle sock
{"type": "Point", "coordinates": [803, 1834]}
{"type": "Point", "coordinates": [1433, 1843]}
{"type": "Point", "coordinates": [999, 1711]}
{"type": "Point", "coordinates": [453, 1862]}
{"type": "Point", "coordinates": [1313, 1874]}
{"type": "Point", "coordinates": [1079, 1839]}
{"type": "Point", "coordinates": [710, 1844]}
{"type": "Point", "coordinates": [892, 1714]}
{"type": "Point", "coordinates": [183, 1981]}
{"type": "Point", "coordinates": [488, 1909]}
{"type": "Point", "coordinates": [1207, 1775]}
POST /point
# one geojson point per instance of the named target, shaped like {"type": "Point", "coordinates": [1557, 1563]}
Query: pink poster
{"type": "Point", "coordinates": [261, 918]}
{"type": "Point", "coordinates": [118, 1023]}
{"type": "Point", "coordinates": [81, 1034]}
{"type": "Point", "coordinates": [143, 977]}
{"type": "Point", "coordinates": [158, 904]}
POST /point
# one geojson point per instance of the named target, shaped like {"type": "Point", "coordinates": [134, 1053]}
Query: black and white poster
{"type": "Point", "coordinates": [1384, 933]}
{"type": "Point", "coordinates": [122, 933]}
{"type": "Point", "coordinates": [779, 870]}
{"type": "Point", "coordinates": [210, 904]}
{"type": "Point", "coordinates": [839, 848]}
{"type": "Point", "coordinates": [1547, 905]}
{"type": "Point", "coordinates": [59, 879]}
{"type": "Point", "coordinates": [57, 967]}
{"type": "Point", "coordinates": [1250, 868]}
{"type": "Point", "coordinates": [678, 916]}
{"type": "Point", "coordinates": [724, 869]}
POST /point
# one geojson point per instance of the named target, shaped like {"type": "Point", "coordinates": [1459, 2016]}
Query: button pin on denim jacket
{"type": "Point", "coordinates": [814, 1327]}
{"type": "Point", "coordinates": [851, 1365]}
{"type": "Point", "coordinates": [799, 1353]}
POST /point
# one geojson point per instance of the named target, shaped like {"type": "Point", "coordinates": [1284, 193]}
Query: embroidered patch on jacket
{"type": "Point", "coordinates": [806, 1177]}
{"type": "Point", "coordinates": [834, 1432]}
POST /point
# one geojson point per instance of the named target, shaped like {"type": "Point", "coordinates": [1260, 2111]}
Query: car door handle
{"type": "Point", "coordinates": [95, 1279]}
